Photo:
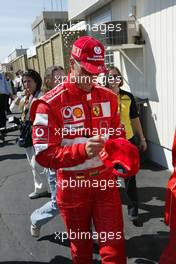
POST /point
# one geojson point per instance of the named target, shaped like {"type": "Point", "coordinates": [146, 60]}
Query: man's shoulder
{"type": "Point", "coordinates": [48, 101]}
{"type": "Point", "coordinates": [53, 95]}
{"type": "Point", "coordinates": [103, 88]}
{"type": "Point", "coordinates": [104, 91]}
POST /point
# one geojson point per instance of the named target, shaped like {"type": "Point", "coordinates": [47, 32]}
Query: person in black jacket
{"type": "Point", "coordinates": [130, 119]}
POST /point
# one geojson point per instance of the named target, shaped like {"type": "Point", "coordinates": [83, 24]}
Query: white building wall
{"type": "Point", "coordinates": [80, 9]}
{"type": "Point", "coordinates": [119, 10]}
{"type": "Point", "coordinates": [77, 7]}
{"type": "Point", "coordinates": [158, 18]}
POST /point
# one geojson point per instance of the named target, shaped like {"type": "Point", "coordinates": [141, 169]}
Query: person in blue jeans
{"type": "Point", "coordinates": [49, 210]}
{"type": "Point", "coordinates": [53, 76]}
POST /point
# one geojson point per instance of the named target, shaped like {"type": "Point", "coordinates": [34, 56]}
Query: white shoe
{"type": "Point", "coordinates": [133, 218]}
{"type": "Point", "coordinates": [35, 195]}
{"type": "Point", "coordinates": [35, 231]}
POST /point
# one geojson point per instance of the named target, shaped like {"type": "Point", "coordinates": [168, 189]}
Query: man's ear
{"type": "Point", "coordinates": [72, 62]}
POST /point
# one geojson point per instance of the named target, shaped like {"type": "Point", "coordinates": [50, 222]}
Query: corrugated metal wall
{"type": "Point", "coordinates": [35, 63]}
{"type": "Point", "coordinates": [20, 63]}
{"type": "Point", "coordinates": [57, 51]}
{"type": "Point", "coordinates": [48, 55]}
{"type": "Point", "coordinates": [41, 60]}
{"type": "Point", "coordinates": [158, 19]}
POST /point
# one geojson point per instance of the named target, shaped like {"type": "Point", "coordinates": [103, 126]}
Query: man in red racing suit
{"type": "Point", "coordinates": [169, 254]}
{"type": "Point", "coordinates": [67, 124]}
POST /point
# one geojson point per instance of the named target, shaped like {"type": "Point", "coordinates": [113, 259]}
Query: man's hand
{"type": "Point", "coordinates": [143, 145]}
{"type": "Point", "coordinates": [27, 92]}
{"type": "Point", "coordinates": [94, 145]}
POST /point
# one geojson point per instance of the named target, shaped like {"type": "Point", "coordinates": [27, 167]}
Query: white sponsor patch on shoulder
{"type": "Point", "coordinates": [41, 119]}
{"type": "Point", "coordinates": [40, 147]}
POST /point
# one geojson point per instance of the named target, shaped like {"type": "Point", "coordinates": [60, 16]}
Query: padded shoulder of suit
{"type": "Point", "coordinates": [34, 106]}
{"type": "Point", "coordinates": [106, 91]}
{"type": "Point", "coordinates": [52, 95]}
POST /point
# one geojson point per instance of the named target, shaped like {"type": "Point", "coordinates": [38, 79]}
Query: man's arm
{"type": "Point", "coordinates": [47, 138]}
{"type": "Point", "coordinates": [137, 129]}
{"type": "Point", "coordinates": [136, 124]}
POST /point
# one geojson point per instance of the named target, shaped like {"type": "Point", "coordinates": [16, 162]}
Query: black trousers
{"type": "Point", "coordinates": [3, 110]}
{"type": "Point", "coordinates": [131, 190]}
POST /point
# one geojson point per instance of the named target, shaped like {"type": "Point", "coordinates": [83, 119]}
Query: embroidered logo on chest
{"type": "Point", "coordinates": [97, 110]}
{"type": "Point", "coordinates": [73, 113]}
{"type": "Point", "coordinates": [101, 110]}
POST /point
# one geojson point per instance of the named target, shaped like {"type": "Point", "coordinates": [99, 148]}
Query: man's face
{"type": "Point", "coordinates": [82, 77]}
{"type": "Point", "coordinates": [57, 78]}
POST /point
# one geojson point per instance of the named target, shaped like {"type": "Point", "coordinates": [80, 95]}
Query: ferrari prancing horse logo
{"type": "Point", "coordinates": [96, 110]}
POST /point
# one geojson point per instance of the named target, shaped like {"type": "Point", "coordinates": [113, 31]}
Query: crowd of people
{"type": "Point", "coordinates": [77, 103]}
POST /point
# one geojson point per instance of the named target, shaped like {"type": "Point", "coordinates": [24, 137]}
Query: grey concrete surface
{"type": "Point", "coordinates": [144, 241]}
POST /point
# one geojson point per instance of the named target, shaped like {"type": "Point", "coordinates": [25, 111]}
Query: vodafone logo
{"type": "Point", "coordinates": [67, 112]}
{"type": "Point", "coordinates": [97, 50]}
{"type": "Point", "coordinates": [39, 132]}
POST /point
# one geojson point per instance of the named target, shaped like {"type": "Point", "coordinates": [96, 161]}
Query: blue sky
{"type": "Point", "coordinates": [16, 17]}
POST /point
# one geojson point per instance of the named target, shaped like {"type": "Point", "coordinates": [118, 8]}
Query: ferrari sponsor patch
{"type": "Point", "coordinates": [101, 110]}
{"type": "Point", "coordinates": [97, 110]}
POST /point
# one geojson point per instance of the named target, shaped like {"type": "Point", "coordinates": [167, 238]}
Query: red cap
{"type": "Point", "coordinates": [121, 152]}
{"type": "Point", "coordinates": [90, 53]}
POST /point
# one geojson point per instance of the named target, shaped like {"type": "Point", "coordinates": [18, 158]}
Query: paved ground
{"type": "Point", "coordinates": [144, 242]}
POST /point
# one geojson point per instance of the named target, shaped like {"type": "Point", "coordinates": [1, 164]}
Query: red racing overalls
{"type": "Point", "coordinates": [63, 120]}
{"type": "Point", "coordinates": [169, 254]}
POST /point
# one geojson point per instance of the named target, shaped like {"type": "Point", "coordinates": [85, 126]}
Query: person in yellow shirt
{"type": "Point", "coordinates": [130, 119]}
